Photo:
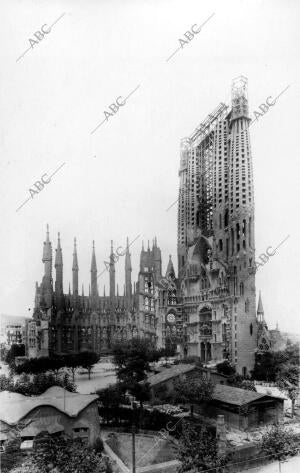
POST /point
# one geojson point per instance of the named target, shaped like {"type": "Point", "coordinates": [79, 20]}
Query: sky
{"type": "Point", "coordinates": [118, 180]}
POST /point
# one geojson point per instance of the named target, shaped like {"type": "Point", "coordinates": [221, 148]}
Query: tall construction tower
{"type": "Point", "coordinates": [216, 235]}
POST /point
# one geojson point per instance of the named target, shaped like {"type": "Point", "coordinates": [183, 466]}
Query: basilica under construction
{"type": "Point", "coordinates": [207, 309]}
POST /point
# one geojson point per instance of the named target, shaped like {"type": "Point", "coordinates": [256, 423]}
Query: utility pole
{"type": "Point", "coordinates": [133, 436]}
{"type": "Point", "coordinates": [281, 461]}
{"type": "Point", "coordinates": [133, 448]}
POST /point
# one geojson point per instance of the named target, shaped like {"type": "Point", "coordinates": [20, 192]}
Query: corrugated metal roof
{"type": "Point", "coordinates": [13, 406]}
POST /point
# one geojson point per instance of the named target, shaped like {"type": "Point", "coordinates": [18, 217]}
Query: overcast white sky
{"type": "Point", "coordinates": [119, 180]}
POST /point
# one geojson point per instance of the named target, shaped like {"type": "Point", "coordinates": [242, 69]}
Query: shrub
{"type": "Point", "coordinates": [15, 350]}
{"type": "Point", "coordinates": [279, 443]}
{"type": "Point", "coordinates": [197, 450]}
{"type": "Point", "coordinates": [69, 456]}
{"type": "Point", "coordinates": [225, 368]}
{"type": "Point", "coordinates": [99, 446]}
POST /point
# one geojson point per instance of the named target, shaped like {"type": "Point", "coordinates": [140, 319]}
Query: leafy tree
{"type": "Point", "coordinates": [279, 443]}
{"type": "Point", "coordinates": [132, 360]}
{"type": "Point", "coordinates": [87, 359]}
{"type": "Point", "coordinates": [69, 456]}
{"type": "Point", "coordinates": [239, 382]}
{"type": "Point", "coordinates": [41, 365]}
{"type": "Point", "coordinates": [6, 383]}
{"type": "Point", "coordinates": [290, 389]}
{"type": "Point", "coordinates": [15, 350]}
{"type": "Point", "coordinates": [141, 391]}
{"type": "Point", "coordinates": [271, 366]}
{"type": "Point", "coordinates": [264, 367]}
{"type": "Point", "coordinates": [112, 396]}
{"type": "Point", "coordinates": [73, 363]}
{"type": "Point", "coordinates": [193, 390]}
{"type": "Point", "coordinates": [169, 350]}
{"type": "Point", "coordinates": [197, 449]}
{"type": "Point", "coordinates": [225, 368]}
{"type": "Point", "coordinates": [162, 394]}
{"type": "Point", "coordinates": [3, 352]}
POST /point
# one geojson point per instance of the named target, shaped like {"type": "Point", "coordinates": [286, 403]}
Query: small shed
{"type": "Point", "coordinates": [241, 408]}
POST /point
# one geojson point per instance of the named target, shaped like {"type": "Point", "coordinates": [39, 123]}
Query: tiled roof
{"type": "Point", "coordinates": [169, 373]}
{"type": "Point", "coordinates": [237, 396]}
{"type": "Point", "coordinates": [13, 406]}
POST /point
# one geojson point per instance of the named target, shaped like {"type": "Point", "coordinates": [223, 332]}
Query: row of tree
{"type": "Point", "coordinates": [35, 385]}
{"type": "Point", "coordinates": [85, 360]}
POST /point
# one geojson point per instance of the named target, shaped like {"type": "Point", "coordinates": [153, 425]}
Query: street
{"type": "Point", "coordinates": [289, 466]}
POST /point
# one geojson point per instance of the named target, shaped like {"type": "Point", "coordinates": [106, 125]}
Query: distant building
{"type": "Point", "coordinates": [14, 334]}
{"type": "Point", "coordinates": [241, 408]}
{"type": "Point", "coordinates": [56, 411]}
{"type": "Point", "coordinates": [12, 330]}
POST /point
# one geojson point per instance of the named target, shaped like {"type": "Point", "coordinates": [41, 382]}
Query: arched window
{"type": "Point", "coordinates": [251, 329]}
{"type": "Point", "coordinates": [241, 289]}
{"type": "Point", "coordinates": [244, 228]}
{"type": "Point", "coordinates": [249, 233]}
{"type": "Point", "coordinates": [226, 218]}
{"type": "Point", "coordinates": [221, 244]}
{"type": "Point", "coordinates": [232, 241]}
{"type": "Point", "coordinates": [247, 306]}
{"type": "Point", "coordinates": [237, 231]}
{"type": "Point", "coordinates": [234, 281]}
{"type": "Point", "coordinates": [220, 221]}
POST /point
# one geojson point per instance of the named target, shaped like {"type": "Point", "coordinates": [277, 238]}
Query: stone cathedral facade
{"type": "Point", "coordinates": [212, 301]}
{"type": "Point", "coordinates": [209, 309]}
{"type": "Point", "coordinates": [70, 322]}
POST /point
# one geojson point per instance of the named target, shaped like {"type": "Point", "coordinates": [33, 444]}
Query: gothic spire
{"type": "Point", "coordinates": [75, 260]}
{"type": "Point", "coordinates": [112, 276]}
{"type": "Point", "coordinates": [170, 268]}
{"type": "Point", "coordinates": [59, 267]}
{"type": "Point", "coordinates": [128, 270]}
{"type": "Point", "coordinates": [94, 288]}
{"type": "Point", "coordinates": [46, 286]}
{"type": "Point", "coordinates": [75, 270]}
{"type": "Point", "coordinates": [260, 309]}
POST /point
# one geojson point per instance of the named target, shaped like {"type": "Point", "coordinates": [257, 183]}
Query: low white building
{"type": "Point", "coordinates": [56, 411]}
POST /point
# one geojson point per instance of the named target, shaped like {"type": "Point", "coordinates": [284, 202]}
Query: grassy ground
{"type": "Point", "coordinates": [149, 450]}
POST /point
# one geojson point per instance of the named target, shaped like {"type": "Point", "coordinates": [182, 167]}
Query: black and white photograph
{"type": "Point", "coordinates": [150, 261]}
